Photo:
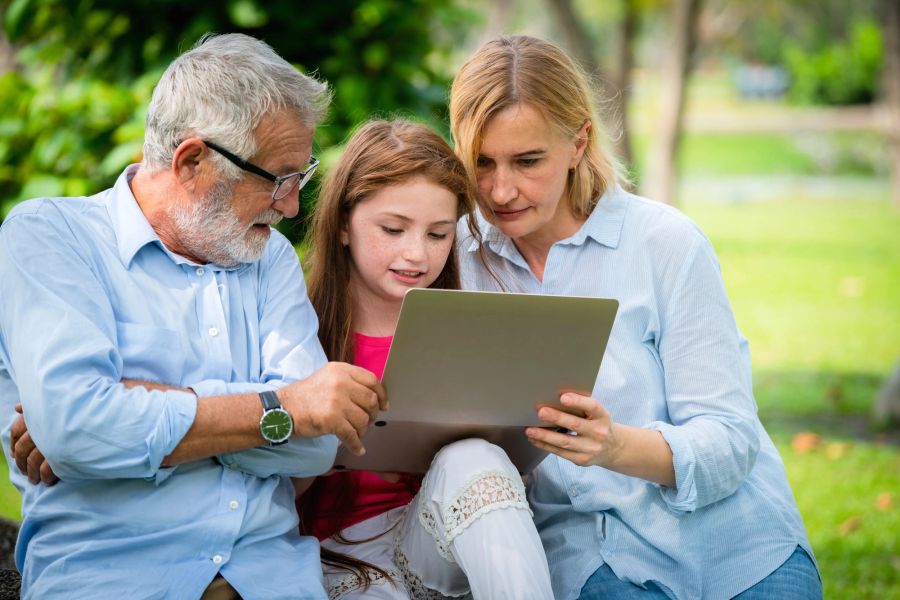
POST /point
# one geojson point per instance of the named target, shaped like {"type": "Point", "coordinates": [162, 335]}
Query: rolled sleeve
{"type": "Point", "coordinates": [87, 424]}
{"type": "Point", "coordinates": [682, 498]}
{"type": "Point", "coordinates": [709, 398]}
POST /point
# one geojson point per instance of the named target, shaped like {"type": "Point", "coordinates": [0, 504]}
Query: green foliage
{"type": "Point", "coordinates": [74, 109]}
{"type": "Point", "coordinates": [842, 72]}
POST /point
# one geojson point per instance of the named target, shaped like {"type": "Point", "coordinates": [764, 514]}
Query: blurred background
{"type": "Point", "coordinates": [774, 124]}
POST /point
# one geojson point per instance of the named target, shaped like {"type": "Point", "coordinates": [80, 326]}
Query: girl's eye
{"type": "Point", "coordinates": [482, 162]}
{"type": "Point", "coordinates": [391, 230]}
{"type": "Point", "coordinates": [438, 236]}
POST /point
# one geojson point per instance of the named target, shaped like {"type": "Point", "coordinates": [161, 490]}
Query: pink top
{"type": "Point", "coordinates": [346, 498]}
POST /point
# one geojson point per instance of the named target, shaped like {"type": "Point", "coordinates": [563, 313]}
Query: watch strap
{"type": "Point", "coordinates": [269, 400]}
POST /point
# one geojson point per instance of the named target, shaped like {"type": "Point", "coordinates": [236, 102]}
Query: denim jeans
{"type": "Point", "coordinates": [795, 579]}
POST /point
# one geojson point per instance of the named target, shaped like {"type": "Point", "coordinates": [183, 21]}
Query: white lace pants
{"type": "Point", "coordinates": [467, 533]}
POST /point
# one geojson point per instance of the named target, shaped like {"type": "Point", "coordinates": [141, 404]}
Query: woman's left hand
{"type": "Point", "coordinates": [595, 441]}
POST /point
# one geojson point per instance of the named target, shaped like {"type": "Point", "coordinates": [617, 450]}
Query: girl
{"type": "Point", "coordinates": [670, 486]}
{"type": "Point", "coordinates": [384, 223]}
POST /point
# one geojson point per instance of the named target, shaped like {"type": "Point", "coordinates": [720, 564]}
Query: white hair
{"type": "Point", "coordinates": [220, 90]}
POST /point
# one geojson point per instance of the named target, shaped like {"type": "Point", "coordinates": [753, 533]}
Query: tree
{"type": "Point", "coordinates": [73, 113]}
{"type": "Point", "coordinates": [660, 181]}
{"type": "Point", "coordinates": [616, 86]}
{"type": "Point", "coordinates": [891, 78]}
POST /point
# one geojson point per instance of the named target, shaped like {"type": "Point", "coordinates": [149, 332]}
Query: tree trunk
{"type": "Point", "coordinates": [7, 54]}
{"type": "Point", "coordinates": [660, 180]}
{"type": "Point", "coordinates": [497, 20]}
{"type": "Point", "coordinates": [614, 89]}
{"type": "Point", "coordinates": [891, 34]}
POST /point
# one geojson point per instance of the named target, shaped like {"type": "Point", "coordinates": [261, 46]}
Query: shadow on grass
{"type": "Point", "coordinates": [827, 402]}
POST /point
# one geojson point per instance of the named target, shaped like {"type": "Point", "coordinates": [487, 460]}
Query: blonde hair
{"type": "Point", "coordinates": [509, 71]}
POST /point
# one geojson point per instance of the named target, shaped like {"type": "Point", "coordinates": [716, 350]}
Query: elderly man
{"type": "Point", "coordinates": [159, 339]}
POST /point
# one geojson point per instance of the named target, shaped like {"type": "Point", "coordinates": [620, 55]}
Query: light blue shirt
{"type": "Point", "coordinates": [91, 296]}
{"type": "Point", "coordinates": [675, 363]}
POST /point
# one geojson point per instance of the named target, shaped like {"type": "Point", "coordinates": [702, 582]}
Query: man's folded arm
{"type": "Point", "coordinates": [59, 342]}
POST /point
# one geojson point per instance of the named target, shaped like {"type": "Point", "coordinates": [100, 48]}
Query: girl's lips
{"type": "Point", "coordinates": [410, 277]}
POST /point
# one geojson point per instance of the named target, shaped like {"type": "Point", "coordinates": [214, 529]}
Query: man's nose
{"type": "Point", "coordinates": [289, 206]}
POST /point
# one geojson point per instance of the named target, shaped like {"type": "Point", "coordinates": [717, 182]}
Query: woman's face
{"type": "Point", "coordinates": [522, 171]}
{"type": "Point", "coordinates": [399, 239]}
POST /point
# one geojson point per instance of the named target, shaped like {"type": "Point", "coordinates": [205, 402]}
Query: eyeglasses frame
{"type": "Point", "coordinates": [303, 176]}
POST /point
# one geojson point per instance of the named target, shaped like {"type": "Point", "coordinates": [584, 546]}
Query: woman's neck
{"type": "Point", "coordinates": [535, 247]}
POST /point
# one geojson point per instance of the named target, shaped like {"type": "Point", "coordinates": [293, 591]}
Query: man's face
{"type": "Point", "coordinates": [229, 222]}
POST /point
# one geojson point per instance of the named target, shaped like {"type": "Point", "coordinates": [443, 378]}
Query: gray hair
{"type": "Point", "coordinates": [220, 90]}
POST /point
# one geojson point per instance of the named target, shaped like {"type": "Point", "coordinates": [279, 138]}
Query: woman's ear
{"type": "Point", "coordinates": [345, 237]}
{"type": "Point", "coordinates": [581, 140]}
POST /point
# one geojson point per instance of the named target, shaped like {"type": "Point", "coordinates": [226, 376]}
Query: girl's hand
{"type": "Point", "coordinates": [388, 476]}
{"type": "Point", "coordinates": [595, 441]}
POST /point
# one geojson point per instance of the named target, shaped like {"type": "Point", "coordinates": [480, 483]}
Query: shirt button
{"type": "Point", "coordinates": [213, 331]}
{"type": "Point", "coordinates": [200, 271]}
{"type": "Point", "coordinates": [233, 504]}
{"type": "Point", "coordinates": [573, 491]}
{"type": "Point", "coordinates": [217, 559]}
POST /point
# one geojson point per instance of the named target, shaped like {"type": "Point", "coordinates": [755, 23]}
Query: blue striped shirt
{"type": "Point", "coordinates": [675, 363]}
{"type": "Point", "coordinates": [91, 296]}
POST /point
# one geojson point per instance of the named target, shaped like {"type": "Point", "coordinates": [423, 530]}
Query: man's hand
{"type": "Point", "coordinates": [337, 399]}
{"type": "Point", "coordinates": [28, 458]}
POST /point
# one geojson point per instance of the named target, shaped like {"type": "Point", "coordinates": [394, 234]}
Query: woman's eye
{"type": "Point", "coordinates": [438, 236]}
{"type": "Point", "coordinates": [482, 162]}
{"type": "Point", "coordinates": [391, 230]}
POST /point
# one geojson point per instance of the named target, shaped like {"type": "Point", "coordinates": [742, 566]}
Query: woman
{"type": "Point", "coordinates": [670, 486]}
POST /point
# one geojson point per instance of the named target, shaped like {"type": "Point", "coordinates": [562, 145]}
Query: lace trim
{"type": "Point", "coordinates": [416, 589]}
{"type": "Point", "coordinates": [351, 582]}
{"type": "Point", "coordinates": [481, 494]}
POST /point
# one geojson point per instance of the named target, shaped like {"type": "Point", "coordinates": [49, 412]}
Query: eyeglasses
{"type": "Point", "coordinates": [284, 184]}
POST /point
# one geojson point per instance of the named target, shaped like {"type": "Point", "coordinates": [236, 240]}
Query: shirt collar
{"type": "Point", "coordinates": [604, 226]}
{"type": "Point", "coordinates": [131, 227]}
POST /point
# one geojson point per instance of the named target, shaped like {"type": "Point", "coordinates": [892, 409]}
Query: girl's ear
{"type": "Point", "coordinates": [345, 237]}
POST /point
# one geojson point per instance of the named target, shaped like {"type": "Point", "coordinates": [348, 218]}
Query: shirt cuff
{"type": "Point", "coordinates": [217, 387]}
{"type": "Point", "coordinates": [683, 498]}
{"type": "Point", "coordinates": [174, 423]}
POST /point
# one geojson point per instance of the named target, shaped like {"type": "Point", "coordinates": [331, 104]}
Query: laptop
{"type": "Point", "coordinates": [478, 364]}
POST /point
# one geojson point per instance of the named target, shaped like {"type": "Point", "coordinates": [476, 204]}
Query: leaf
{"type": "Point", "coordinates": [806, 441]}
{"type": "Point", "coordinates": [850, 525]}
{"type": "Point", "coordinates": [836, 450]}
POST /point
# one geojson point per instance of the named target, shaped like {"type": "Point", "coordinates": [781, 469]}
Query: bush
{"type": "Point", "coordinates": [843, 72]}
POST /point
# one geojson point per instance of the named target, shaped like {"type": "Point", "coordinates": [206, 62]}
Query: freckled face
{"type": "Point", "coordinates": [399, 238]}
{"type": "Point", "coordinates": [522, 172]}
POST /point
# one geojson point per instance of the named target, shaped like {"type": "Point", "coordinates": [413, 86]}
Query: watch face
{"type": "Point", "coordinates": [276, 425]}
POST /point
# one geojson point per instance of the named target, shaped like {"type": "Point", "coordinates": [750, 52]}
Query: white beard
{"type": "Point", "coordinates": [210, 230]}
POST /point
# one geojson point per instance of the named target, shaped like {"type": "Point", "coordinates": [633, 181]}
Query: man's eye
{"type": "Point", "coordinates": [528, 162]}
{"type": "Point", "coordinates": [391, 230]}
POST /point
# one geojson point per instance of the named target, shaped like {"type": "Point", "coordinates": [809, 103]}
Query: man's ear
{"type": "Point", "coordinates": [581, 140]}
{"type": "Point", "coordinates": [186, 161]}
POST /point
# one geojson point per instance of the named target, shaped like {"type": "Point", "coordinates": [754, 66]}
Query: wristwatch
{"type": "Point", "coordinates": [276, 424]}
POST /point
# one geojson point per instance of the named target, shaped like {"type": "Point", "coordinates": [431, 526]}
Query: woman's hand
{"type": "Point", "coordinates": [596, 440]}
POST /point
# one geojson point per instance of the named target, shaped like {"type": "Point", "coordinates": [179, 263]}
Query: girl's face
{"type": "Point", "coordinates": [399, 238]}
{"type": "Point", "coordinates": [522, 172]}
